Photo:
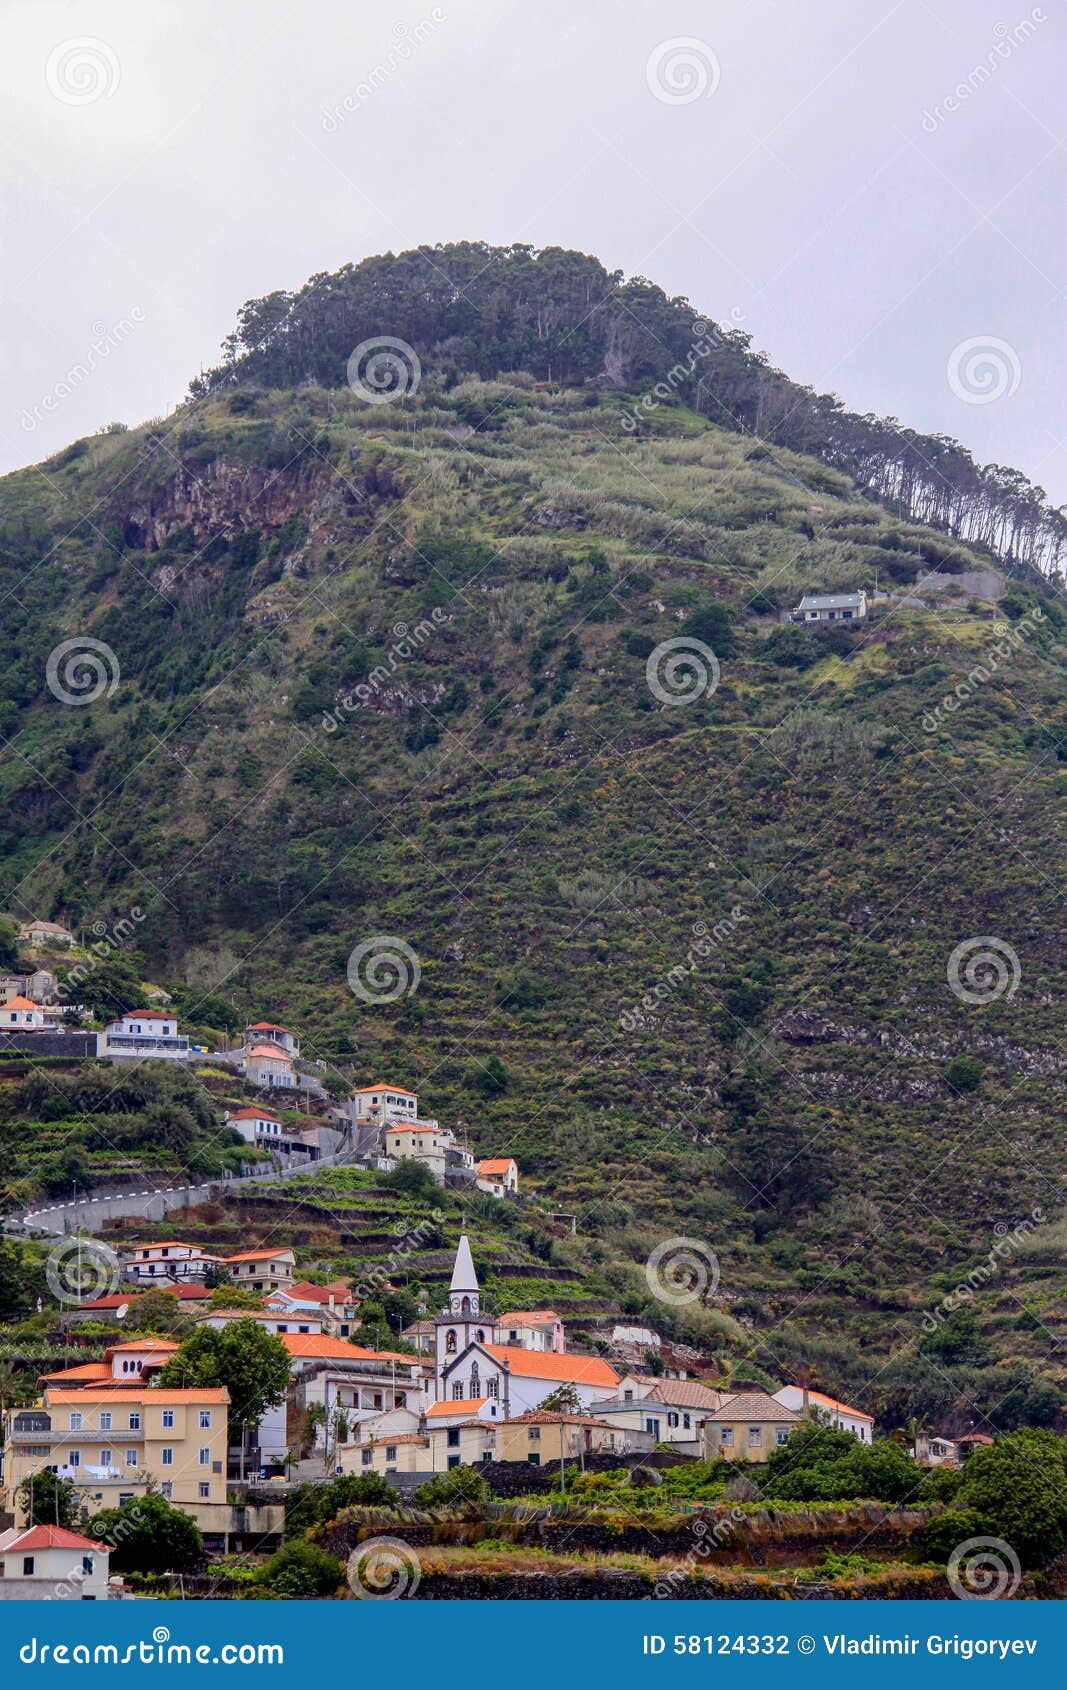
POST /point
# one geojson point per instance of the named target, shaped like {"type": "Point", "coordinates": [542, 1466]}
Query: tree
{"type": "Point", "coordinates": [231, 1296]}
{"type": "Point", "coordinates": [301, 1568]}
{"type": "Point", "coordinates": [1019, 1488]}
{"type": "Point", "coordinates": [563, 1400]}
{"type": "Point", "coordinates": [313, 1505]}
{"type": "Point", "coordinates": [459, 1484]}
{"type": "Point", "coordinates": [154, 1311]}
{"type": "Point", "coordinates": [251, 1363]}
{"type": "Point", "coordinates": [147, 1535]}
{"type": "Point", "coordinates": [215, 1275]}
{"type": "Point", "coordinates": [22, 1281]}
{"type": "Point", "coordinates": [48, 1500]}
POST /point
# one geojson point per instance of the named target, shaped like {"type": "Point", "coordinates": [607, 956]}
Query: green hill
{"type": "Point", "coordinates": [393, 670]}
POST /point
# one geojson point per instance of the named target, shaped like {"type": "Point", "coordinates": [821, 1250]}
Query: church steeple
{"type": "Point", "coordinates": [464, 1295]}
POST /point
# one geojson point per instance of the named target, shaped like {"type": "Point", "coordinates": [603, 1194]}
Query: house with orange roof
{"type": "Point", "coordinates": [257, 1126]}
{"type": "Point", "coordinates": [49, 1563]}
{"type": "Point", "coordinates": [497, 1175]}
{"type": "Point", "coordinates": [190, 1296]}
{"type": "Point", "coordinates": [261, 1270]}
{"type": "Point", "coordinates": [123, 1364]}
{"type": "Point", "coordinates": [115, 1442]}
{"type": "Point", "coordinates": [170, 1259]}
{"type": "Point", "coordinates": [272, 1033]}
{"type": "Point", "coordinates": [802, 1399]}
{"type": "Point", "coordinates": [22, 1013]}
{"type": "Point", "coordinates": [269, 1066]}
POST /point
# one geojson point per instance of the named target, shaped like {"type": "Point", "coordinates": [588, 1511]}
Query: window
{"type": "Point", "coordinates": [131, 1458]}
{"type": "Point", "coordinates": [205, 1456]}
{"type": "Point", "coordinates": [480, 1335]}
{"type": "Point", "coordinates": [457, 1391]}
{"type": "Point", "coordinates": [782, 1435]}
{"type": "Point", "coordinates": [167, 1457]}
{"type": "Point", "coordinates": [686, 1422]}
{"type": "Point", "coordinates": [453, 1437]}
{"type": "Point", "coordinates": [627, 1396]}
{"type": "Point", "coordinates": [492, 1386]}
{"type": "Point", "coordinates": [203, 1489]}
{"type": "Point", "coordinates": [534, 1434]}
{"type": "Point", "coordinates": [453, 1461]}
{"type": "Point", "coordinates": [450, 1343]}
{"type": "Point", "coordinates": [105, 1458]}
{"type": "Point", "coordinates": [755, 1437]}
{"type": "Point", "coordinates": [76, 1421]}
{"type": "Point", "coordinates": [367, 1457]}
{"type": "Point", "coordinates": [166, 1490]}
{"type": "Point", "coordinates": [105, 1421]}
{"type": "Point", "coordinates": [390, 1452]}
{"type": "Point", "coordinates": [74, 1458]}
{"type": "Point", "coordinates": [534, 1458]}
{"type": "Point", "coordinates": [672, 1418]}
{"type": "Point", "coordinates": [125, 1496]}
{"type": "Point", "coordinates": [87, 1565]}
{"type": "Point", "coordinates": [135, 1422]}
{"type": "Point", "coordinates": [205, 1419]}
{"type": "Point", "coordinates": [726, 1436]}
{"type": "Point", "coordinates": [27, 1566]}
{"type": "Point", "coordinates": [168, 1419]}
{"type": "Point", "coordinates": [377, 1399]}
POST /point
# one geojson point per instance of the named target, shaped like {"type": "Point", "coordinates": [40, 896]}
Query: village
{"type": "Point", "coordinates": [519, 1394]}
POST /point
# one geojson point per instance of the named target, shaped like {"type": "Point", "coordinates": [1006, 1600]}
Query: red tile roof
{"type": "Point", "coordinates": [252, 1115]}
{"type": "Point", "coordinates": [569, 1369]}
{"type": "Point", "coordinates": [88, 1373]}
{"type": "Point", "coordinates": [460, 1405]}
{"type": "Point", "coordinates": [141, 1393]}
{"type": "Point", "coordinates": [53, 1537]}
{"type": "Point", "coordinates": [255, 1255]}
{"type": "Point", "coordinates": [19, 1003]}
{"type": "Point", "coordinates": [518, 1317]}
{"type": "Point", "coordinates": [321, 1345]}
{"type": "Point", "coordinates": [274, 1051]}
{"type": "Point", "coordinates": [266, 1027]}
{"type": "Point", "coordinates": [496, 1165]}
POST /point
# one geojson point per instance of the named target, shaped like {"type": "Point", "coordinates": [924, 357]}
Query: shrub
{"type": "Point", "coordinates": [302, 1569]}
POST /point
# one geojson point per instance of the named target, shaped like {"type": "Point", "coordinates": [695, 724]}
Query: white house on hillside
{"type": "Point", "coordinates": [48, 1563]}
{"type": "Point", "coordinates": [819, 1406]}
{"type": "Point", "coordinates": [256, 1126]}
{"type": "Point", "coordinates": [142, 1033]}
{"type": "Point", "coordinates": [498, 1175]}
{"type": "Point", "coordinates": [271, 1033]}
{"type": "Point", "coordinates": [832, 607]}
{"type": "Point", "coordinates": [269, 1066]}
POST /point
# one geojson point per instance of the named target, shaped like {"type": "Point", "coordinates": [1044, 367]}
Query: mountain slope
{"type": "Point", "coordinates": [384, 671]}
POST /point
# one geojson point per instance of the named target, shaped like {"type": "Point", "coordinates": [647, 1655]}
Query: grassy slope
{"type": "Point", "coordinates": [567, 834]}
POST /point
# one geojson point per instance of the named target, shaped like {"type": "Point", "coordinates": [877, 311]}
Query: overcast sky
{"type": "Point", "coordinates": [874, 191]}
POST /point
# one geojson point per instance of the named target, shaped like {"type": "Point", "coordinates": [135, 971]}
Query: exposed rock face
{"type": "Point", "coordinates": [224, 499]}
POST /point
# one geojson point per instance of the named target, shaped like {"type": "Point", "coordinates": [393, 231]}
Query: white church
{"type": "Point", "coordinates": [503, 1380]}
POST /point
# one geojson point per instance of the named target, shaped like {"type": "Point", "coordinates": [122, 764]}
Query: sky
{"type": "Point", "coordinates": [873, 191]}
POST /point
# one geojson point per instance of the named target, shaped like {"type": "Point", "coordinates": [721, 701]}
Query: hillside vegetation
{"type": "Point", "coordinates": [383, 671]}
